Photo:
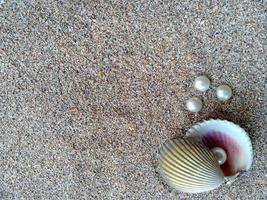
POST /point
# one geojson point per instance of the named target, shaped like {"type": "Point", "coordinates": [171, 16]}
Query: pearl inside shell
{"type": "Point", "coordinates": [220, 154]}
{"type": "Point", "coordinates": [194, 104]}
{"type": "Point", "coordinates": [202, 83]}
{"type": "Point", "coordinates": [224, 92]}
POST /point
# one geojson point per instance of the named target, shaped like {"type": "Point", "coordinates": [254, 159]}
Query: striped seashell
{"type": "Point", "coordinates": [189, 166]}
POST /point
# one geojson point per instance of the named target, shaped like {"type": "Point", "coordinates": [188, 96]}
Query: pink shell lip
{"type": "Point", "coordinates": [228, 136]}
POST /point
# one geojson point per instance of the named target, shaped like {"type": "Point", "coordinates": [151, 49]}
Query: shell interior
{"type": "Point", "coordinates": [228, 136]}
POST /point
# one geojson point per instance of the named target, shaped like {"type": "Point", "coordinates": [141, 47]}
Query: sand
{"type": "Point", "coordinates": [89, 90]}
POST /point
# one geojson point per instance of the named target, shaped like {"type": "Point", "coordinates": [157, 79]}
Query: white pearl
{"type": "Point", "coordinates": [194, 104]}
{"type": "Point", "coordinates": [220, 154]}
{"type": "Point", "coordinates": [224, 92]}
{"type": "Point", "coordinates": [202, 83]}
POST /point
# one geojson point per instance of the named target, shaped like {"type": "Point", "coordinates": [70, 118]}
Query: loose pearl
{"type": "Point", "coordinates": [220, 154]}
{"type": "Point", "coordinates": [224, 92]}
{"type": "Point", "coordinates": [202, 83]}
{"type": "Point", "coordinates": [194, 104]}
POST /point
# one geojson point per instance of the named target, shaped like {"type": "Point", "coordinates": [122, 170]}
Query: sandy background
{"type": "Point", "coordinates": [89, 90]}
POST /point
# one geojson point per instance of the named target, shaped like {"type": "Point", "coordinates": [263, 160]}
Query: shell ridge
{"type": "Point", "coordinates": [197, 159]}
{"type": "Point", "coordinates": [210, 157]}
{"type": "Point", "coordinates": [198, 152]}
{"type": "Point", "coordinates": [205, 156]}
{"type": "Point", "coordinates": [185, 179]}
{"type": "Point", "coordinates": [167, 163]}
{"type": "Point", "coordinates": [194, 159]}
{"type": "Point", "coordinates": [178, 154]}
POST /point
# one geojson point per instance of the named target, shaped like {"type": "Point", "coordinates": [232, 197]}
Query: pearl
{"type": "Point", "coordinates": [224, 92]}
{"type": "Point", "coordinates": [194, 104]}
{"type": "Point", "coordinates": [202, 83]}
{"type": "Point", "coordinates": [220, 154]}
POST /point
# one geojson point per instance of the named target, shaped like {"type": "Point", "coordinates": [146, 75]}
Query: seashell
{"type": "Point", "coordinates": [189, 166]}
{"type": "Point", "coordinates": [231, 138]}
{"type": "Point", "coordinates": [212, 152]}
